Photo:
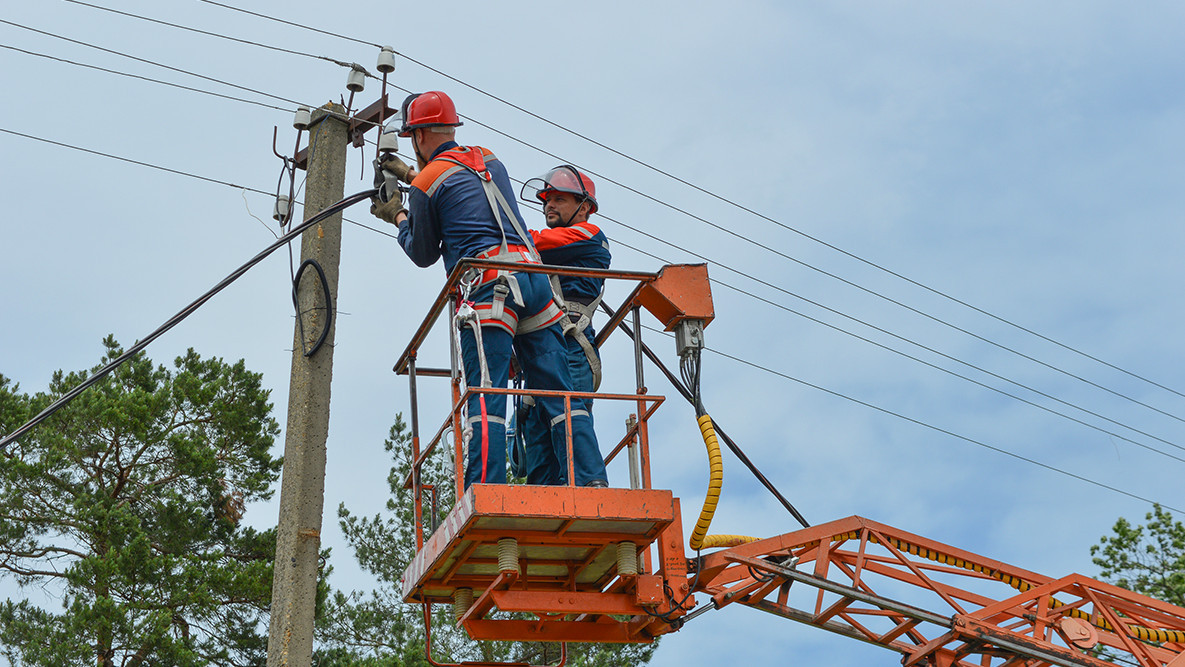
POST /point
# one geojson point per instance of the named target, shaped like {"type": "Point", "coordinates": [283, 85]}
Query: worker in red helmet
{"type": "Point", "coordinates": [461, 204]}
{"type": "Point", "coordinates": [569, 198]}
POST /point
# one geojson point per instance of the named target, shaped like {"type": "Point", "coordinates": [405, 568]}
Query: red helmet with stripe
{"type": "Point", "coordinates": [564, 178]}
{"type": "Point", "coordinates": [430, 109]}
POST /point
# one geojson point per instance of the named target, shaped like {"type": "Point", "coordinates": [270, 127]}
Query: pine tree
{"type": "Point", "coordinates": [1148, 559]}
{"type": "Point", "coordinates": [127, 504]}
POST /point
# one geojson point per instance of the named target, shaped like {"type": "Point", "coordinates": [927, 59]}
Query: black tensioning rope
{"type": "Point", "coordinates": [184, 313]}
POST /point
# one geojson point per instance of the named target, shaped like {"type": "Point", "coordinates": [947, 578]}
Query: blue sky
{"type": "Point", "coordinates": [1023, 158]}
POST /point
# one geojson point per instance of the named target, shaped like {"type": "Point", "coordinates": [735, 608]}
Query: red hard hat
{"type": "Point", "coordinates": [430, 109]}
{"type": "Point", "coordinates": [564, 178]}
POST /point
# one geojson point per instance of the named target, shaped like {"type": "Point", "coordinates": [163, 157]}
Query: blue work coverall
{"type": "Point", "coordinates": [450, 217]}
{"type": "Point", "coordinates": [579, 245]}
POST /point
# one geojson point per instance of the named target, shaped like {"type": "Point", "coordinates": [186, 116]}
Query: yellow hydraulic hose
{"type": "Point", "coordinates": [713, 541]}
{"type": "Point", "coordinates": [715, 481]}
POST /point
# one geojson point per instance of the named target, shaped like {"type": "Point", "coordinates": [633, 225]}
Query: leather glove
{"type": "Point", "coordinates": [387, 210]}
{"type": "Point", "coordinates": [392, 163]}
{"type": "Point", "coordinates": [386, 177]}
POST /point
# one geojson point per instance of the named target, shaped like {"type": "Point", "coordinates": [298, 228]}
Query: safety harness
{"type": "Point", "coordinates": [580, 312]}
{"type": "Point", "coordinates": [494, 313]}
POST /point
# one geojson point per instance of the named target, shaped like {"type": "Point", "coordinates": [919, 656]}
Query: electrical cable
{"type": "Point", "coordinates": [280, 49]}
{"type": "Point", "coordinates": [184, 313]}
{"type": "Point", "coordinates": [328, 307]}
{"type": "Point", "coordinates": [178, 173]}
{"type": "Point", "coordinates": [911, 342]}
{"type": "Point", "coordinates": [752, 212]}
{"type": "Point", "coordinates": [174, 171]}
{"type": "Point", "coordinates": [651, 236]}
{"type": "Point", "coordinates": [151, 62]}
{"type": "Point", "coordinates": [691, 215]}
{"type": "Point", "coordinates": [687, 394]}
{"type": "Point", "coordinates": [824, 272]}
{"type": "Point", "coordinates": [938, 429]}
{"type": "Point", "coordinates": [143, 78]}
{"type": "Point", "coordinates": [754, 365]}
{"type": "Point", "coordinates": [947, 370]}
{"type": "Point", "coordinates": [17, 25]}
{"type": "Point", "coordinates": [773, 221]}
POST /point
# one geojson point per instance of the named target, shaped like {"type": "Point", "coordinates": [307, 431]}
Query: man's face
{"type": "Point", "coordinates": [560, 209]}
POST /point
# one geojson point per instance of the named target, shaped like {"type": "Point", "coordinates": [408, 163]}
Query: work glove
{"type": "Point", "coordinates": [387, 210]}
{"type": "Point", "coordinates": [389, 201]}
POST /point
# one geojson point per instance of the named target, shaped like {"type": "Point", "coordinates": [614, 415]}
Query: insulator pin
{"type": "Point", "coordinates": [283, 209]}
{"type": "Point", "coordinates": [303, 118]}
{"type": "Point", "coordinates": [389, 139]}
{"type": "Point", "coordinates": [356, 81]}
{"type": "Point", "coordinates": [386, 60]}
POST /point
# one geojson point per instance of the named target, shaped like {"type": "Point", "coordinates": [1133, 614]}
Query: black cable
{"type": "Point", "coordinates": [184, 313]}
{"type": "Point", "coordinates": [177, 172]}
{"type": "Point", "coordinates": [824, 272]}
{"type": "Point", "coordinates": [905, 340]}
{"type": "Point", "coordinates": [280, 49]}
{"type": "Point", "coordinates": [143, 78]}
{"type": "Point", "coordinates": [687, 395]}
{"type": "Point", "coordinates": [295, 25]}
{"type": "Point", "coordinates": [937, 428]}
{"type": "Point", "coordinates": [328, 307]}
{"type": "Point", "coordinates": [940, 368]}
{"type": "Point", "coordinates": [651, 236]}
{"type": "Point", "coordinates": [151, 62]}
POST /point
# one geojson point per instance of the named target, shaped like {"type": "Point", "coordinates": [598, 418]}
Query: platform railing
{"type": "Point", "coordinates": [636, 438]}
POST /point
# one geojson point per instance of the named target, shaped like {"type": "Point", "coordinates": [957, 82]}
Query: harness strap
{"type": "Point", "coordinates": [584, 313]}
{"type": "Point", "coordinates": [541, 320]}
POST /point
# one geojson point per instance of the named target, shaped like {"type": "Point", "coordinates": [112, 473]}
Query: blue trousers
{"type": "Point", "coordinates": [547, 456]}
{"type": "Point", "coordinates": [543, 359]}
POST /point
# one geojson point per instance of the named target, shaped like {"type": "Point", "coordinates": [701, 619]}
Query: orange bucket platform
{"type": "Point", "coordinates": [550, 558]}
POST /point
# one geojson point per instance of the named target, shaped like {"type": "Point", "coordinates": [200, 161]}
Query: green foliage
{"type": "Point", "coordinates": [1148, 559]}
{"type": "Point", "coordinates": [378, 629]}
{"type": "Point", "coordinates": [126, 504]}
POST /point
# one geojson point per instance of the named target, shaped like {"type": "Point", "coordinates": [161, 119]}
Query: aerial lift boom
{"type": "Point", "coordinates": [573, 564]}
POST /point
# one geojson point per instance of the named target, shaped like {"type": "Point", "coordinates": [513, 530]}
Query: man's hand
{"type": "Point", "coordinates": [388, 210]}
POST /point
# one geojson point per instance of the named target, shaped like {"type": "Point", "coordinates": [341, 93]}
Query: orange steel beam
{"type": "Point", "coordinates": [1030, 619]}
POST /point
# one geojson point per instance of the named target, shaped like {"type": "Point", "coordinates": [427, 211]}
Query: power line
{"type": "Point", "coordinates": [143, 78]}
{"type": "Point", "coordinates": [726, 267]}
{"type": "Point", "coordinates": [150, 62]}
{"type": "Point", "coordinates": [957, 375]}
{"type": "Point", "coordinates": [651, 236]}
{"type": "Point", "coordinates": [911, 342]}
{"type": "Point", "coordinates": [295, 25]}
{"type": "Point", "coordinates": [759, 215]}
{"type": "Point", "coordinates": [280, 49]}
{"type": "Point", "coordinates": [177, 318]}
{"type": "Point", "coordinates": [174, 171]}
{"type": "Point", "coordinates": [938, 429]}
{"type": "Point", "coordinates": [684, 212]}
{"type": "Point", "coordinates": [837, 277]}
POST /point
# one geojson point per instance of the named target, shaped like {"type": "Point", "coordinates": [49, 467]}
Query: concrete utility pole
{"type": "Point", "coordinates": [302, 491]}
